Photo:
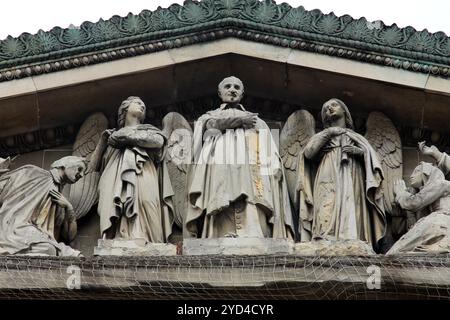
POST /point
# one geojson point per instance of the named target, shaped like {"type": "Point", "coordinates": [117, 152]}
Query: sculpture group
{"type": "Point", "coordinates": [227, 178]}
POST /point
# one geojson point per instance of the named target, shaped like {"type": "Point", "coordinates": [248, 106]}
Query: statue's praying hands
{"type": "Point", "coordinates": [399, 187]}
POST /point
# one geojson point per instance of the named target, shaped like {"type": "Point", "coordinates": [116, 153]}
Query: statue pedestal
{"type": "Point", "coordinates": [333, 248]}
{"type": "Point", "coordinates": [137, 247]}
{"type": "Point", "coordinates": [237, 246]}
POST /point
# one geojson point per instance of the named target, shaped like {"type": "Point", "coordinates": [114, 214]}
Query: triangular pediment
{"type": "Point", "coordinates": [209, 20]}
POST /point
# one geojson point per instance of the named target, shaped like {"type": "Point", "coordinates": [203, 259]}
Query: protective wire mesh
{"type": "Point", "coordinates": [230, 277]}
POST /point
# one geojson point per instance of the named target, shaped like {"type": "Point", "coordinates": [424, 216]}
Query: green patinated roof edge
{"type": "Point", "coordinates": [207, 20]}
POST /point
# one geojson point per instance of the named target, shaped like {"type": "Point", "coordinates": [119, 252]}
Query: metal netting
{"type": "Point", "coordinates": [225, 277]}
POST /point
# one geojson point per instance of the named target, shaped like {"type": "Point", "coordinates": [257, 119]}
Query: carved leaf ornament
{"type": "Point", "coordinates": [280, 21]}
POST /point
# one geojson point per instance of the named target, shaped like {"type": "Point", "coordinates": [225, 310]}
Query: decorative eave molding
{"type": "Point", "coordinates": [274, 110]}
{"type": "Point", "coordinates": [37, 140]}
{"type": "Point", "coordinates": [208, 20]}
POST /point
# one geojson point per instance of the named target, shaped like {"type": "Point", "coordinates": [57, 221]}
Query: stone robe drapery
{"type": "Point", "coordinates": [347, 197]}
{"type": "Point", "coordinates": [432, 232]}
{"type": "Point", "coordinates": [238, 187]}
{"type": "Point", "coordinates": [28, 216]}
{"type": "Point", "coordinates": [135, 195]}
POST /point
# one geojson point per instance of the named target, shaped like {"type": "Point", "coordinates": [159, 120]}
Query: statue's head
{"type": "Point", "coordinates": [231, 90]}
{"type": "Point", "coordinates": [335, 109]}
{"type": "Point", "coordinates": [132, 107]}
{"type": "Point", "coordinates": [425, 173]}
{"type": "Point", "coordinates": [72, 168]}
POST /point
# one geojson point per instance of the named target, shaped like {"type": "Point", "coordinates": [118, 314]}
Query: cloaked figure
{"type": "Point", "coordinates": [340, 182]}
{"type": "Point", "coordinates": [431, 234]}
{"type": "Point", "coordinates": [238, 188]}
{"type": "Point", "coordinates": [34, 214]}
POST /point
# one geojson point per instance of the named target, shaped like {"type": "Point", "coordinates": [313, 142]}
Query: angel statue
{"type": "Point", "coordinates": [341, 183]}
{"type": "Point", "coordinates": [133, 171]}
{"type": "Point", "coordinates": [231, 194]}
{"type": "Point", "coordinates": [432, 232]}
{"type": "Point", "coordinates": [130, 202]}
{"type": "Point", "coordinates": [34, 214]}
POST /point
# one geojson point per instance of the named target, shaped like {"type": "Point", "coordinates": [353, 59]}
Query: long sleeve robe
{"type": "Point", "coordinates": [346, 199]}
{"type": "Point", "coordinates": [238, 186]}
{"type": "Point", "coordinates": [132, 199]}
{"type": "Point", "coordinates": [432, 232]}
{"type": "Point", "coordinates": [27, 213]}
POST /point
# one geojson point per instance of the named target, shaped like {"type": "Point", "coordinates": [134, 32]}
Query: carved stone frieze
{"type": "Point", "coordinates": [274, 111]}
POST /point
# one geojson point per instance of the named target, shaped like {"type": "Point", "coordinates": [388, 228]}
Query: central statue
{"type": "Point", "coordinates": [237, 185]}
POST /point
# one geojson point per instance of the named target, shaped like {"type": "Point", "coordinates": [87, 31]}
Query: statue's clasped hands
{"type": "Point", "coordinates": [60, 200]}
{"type": "Point", "coordinates": [352, 150]}
{"type": "Point", "coordinates": [246, 122]}
{"type": "Point", "coordinates": [249, 121]}
{"type": "Point", "coordinates": [399, 186]}
{"type": "Point", "coordinates": [348, 149]}
{"type": "Point", "coordinates": [120, 138]}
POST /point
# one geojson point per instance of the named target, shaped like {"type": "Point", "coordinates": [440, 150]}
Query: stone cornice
{"type": "Point", "coordinates": [37, 140]}
{"type": "Point", "coordinates": [195, 22]}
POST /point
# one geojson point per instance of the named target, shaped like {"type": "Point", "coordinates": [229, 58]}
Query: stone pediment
{"type": "Point", "coordinates": [209, 20]}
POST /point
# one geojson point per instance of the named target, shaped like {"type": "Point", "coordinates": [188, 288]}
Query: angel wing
{"type": "Point", "coordinates": [384, 138]}
{"type": "Point", "coordinates": [178, 157]}
{"type": "Point", "coordinates": [296, 132]}
{"type": "Point", "coordinates": [83, 194]}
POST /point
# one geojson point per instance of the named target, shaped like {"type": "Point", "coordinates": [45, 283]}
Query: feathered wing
{"type": "Point", "coordinates": [83, 194]}
{"type": "Point", "coordinates": [178, 157]}
{"type": "Point", "coordinates": [384, 138]}
{"type": "Point", "coordinates": [296, 132]}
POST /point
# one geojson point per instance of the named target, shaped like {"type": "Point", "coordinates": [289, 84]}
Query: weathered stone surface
{"type": "Point", "coordinates": [123, 158]}
{"type": "Point", "coordinates": [432, 196]}
{"type": "Point", "coordinates": [214, 277]}
{"type": "Point", "coordinates": [333, 248]}
{"type": "Point", "coordinates": [34, 214]}
{"type": "Point", "coordinates": [236, 167]}
{"type": "Point", "coordinates": [334, 198]}
{"type": "Point", "coordinates": [430, 234]}
{"type": "Point", "coordinates": [137, 247]}
{"type": "Point", "coordinates": [237, 246]}
{"type": "Point", "coordinates": [283, 26]}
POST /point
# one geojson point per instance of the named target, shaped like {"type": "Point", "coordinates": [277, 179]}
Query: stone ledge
{"type": "Point", "coordinates": [137, 247]}
{"type": "Point", "coordinates": [333, 248]}
{"type": "Point", "coordinates": [237, 246]}
{"type": "Point", "coordinates": [226, 277]}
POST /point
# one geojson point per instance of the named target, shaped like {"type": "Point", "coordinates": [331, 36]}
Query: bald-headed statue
{"type": "Point", "coordinates": [237, 183]}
